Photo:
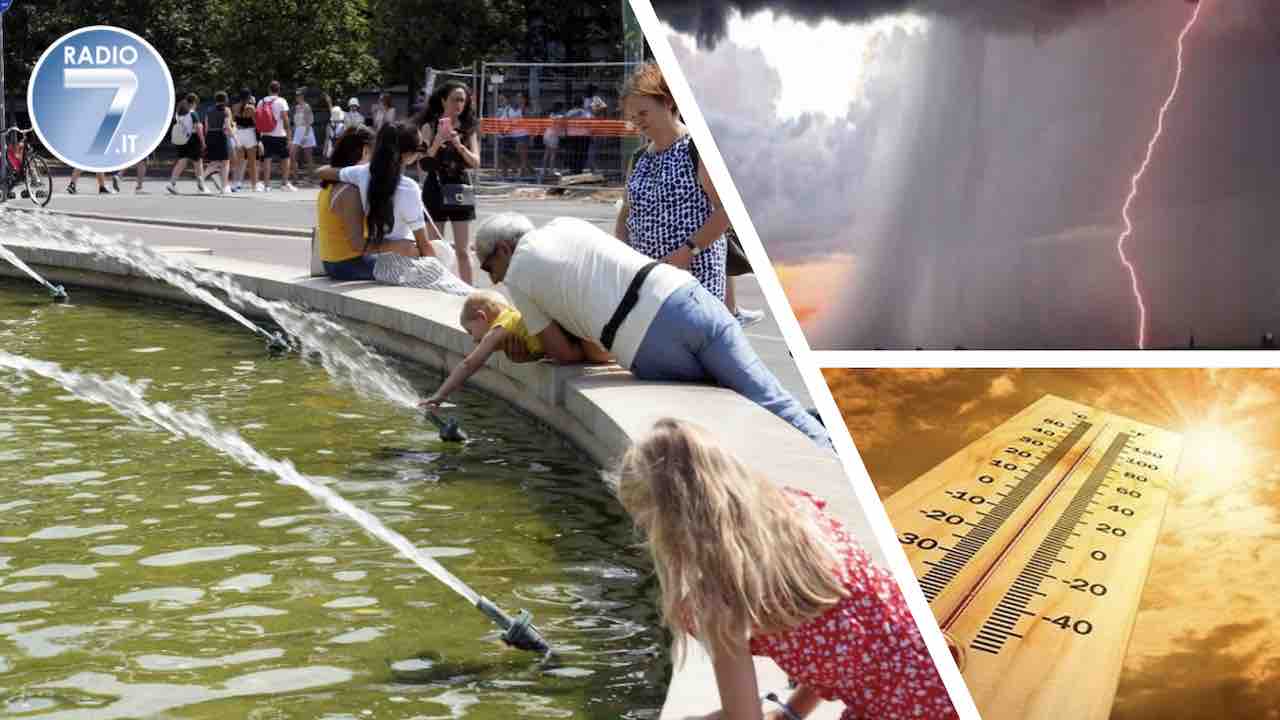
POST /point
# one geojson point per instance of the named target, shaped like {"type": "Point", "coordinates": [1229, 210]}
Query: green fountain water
{"type": "Point", "coordinates": [146, 574]}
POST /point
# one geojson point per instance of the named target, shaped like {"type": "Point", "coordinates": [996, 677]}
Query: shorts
{"type": "Point", "coordinates": [275, 147]}
{"type": "Point", "coordinates": [191, 150]}
{"type": "Point", "coordinates": [246, 137]}
{"type": "Point", "coordinates": [359, 267]}
{"type": "Point", "coordinates": [217, 150]}
{"type": "Point", "coordinates": [550, 138]}
{"type": "Point", "coordinates": [304, 137]}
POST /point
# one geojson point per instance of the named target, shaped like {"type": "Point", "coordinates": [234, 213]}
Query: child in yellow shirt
{"type": "Point", "coordinates": [490, 320]}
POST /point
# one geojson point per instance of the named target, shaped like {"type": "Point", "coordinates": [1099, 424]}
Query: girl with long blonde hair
{"type": "Point", "coordinates": [750, 568]}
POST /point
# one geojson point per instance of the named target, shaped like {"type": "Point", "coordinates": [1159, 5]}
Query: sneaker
{"type": "Point", "coordinates": [140, 191]}
{"type": "Point", "coordinates": [104, 190]}
{"type": "Point", "coordinates": [201, 188]}
{"type": "Point", "coordinates": [259, 187]}
{"type": "Point", "coordinates": [115, 183]}
{"type": "Point", "coordinates": [171, 188]}
{"type": "Point", "coordinates": [266, 188]}
{"type": "Point", "coordinates": [288, 187]}
{"type": "Point", "coordinates": [71, 189]}
{"type": "Point", "coordinates": [747, 318]}
{"type": "Point", "coordinates": [217, 182]}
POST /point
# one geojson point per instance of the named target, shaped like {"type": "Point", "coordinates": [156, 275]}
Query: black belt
{"type": "Point", "coordinates": [629, 300]}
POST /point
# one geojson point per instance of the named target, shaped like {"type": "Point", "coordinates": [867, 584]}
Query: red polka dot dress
{"type": "Point", "coordinates": [866, 651]}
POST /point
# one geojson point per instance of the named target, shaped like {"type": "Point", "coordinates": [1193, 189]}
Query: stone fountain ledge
{"type": "Point", "coordinates": [599, 409]}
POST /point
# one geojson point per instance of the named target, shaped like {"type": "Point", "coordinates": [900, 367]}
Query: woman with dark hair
{"type": "Point", "coordinates": [448, 127]}
{"type": "Point", "coordinates": [246, 146]}
{"type": "Point", "coordinates": [394, 217]}
{"type": "Point", "coordinates": [348, 250]}
{"type": "Point", "coordinates": [188, 136]}
{"type": "Point", "coordinates": [218, 134]}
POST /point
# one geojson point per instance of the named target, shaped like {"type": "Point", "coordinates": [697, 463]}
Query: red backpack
{"type": "Point", "coordinates": [264, 118]}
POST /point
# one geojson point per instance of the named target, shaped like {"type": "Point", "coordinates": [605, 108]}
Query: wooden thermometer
{"type": "Point", "coordinates": [1032, 545]}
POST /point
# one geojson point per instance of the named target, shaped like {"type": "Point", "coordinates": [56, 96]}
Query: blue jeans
{"type": "Point", "coordinates": [356, 268]}
{"type": "Point", "coordinates": [694, 338]}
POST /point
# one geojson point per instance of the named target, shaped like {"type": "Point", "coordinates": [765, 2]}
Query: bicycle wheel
{"type": "Point", "coordinates": [39, 182]}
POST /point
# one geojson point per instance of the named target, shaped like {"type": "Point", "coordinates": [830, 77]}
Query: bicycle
{"type": "Point", "coordinates": [23, 161]}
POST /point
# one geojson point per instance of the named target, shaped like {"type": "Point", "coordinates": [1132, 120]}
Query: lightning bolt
{"type": "Point", "coordinates": [1133, 184]}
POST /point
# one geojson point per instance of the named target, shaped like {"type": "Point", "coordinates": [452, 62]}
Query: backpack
{"type": "Point", "coordinates": [183, 127]}
{"type": "Point", "coordinates": [264, 118]}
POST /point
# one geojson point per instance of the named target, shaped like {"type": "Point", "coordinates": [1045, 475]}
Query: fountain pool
{"type": "Point", "coordinates": [142, 573]}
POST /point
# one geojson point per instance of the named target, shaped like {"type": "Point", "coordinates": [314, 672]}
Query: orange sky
{"type": "Point", "coordinates": [811, 285]}
{"type": "Point", "coordinates": [1205, 641]}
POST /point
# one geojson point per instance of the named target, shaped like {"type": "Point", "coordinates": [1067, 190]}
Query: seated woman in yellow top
{"type": "Point", "coordinates": [340, 218]}
{"type": "Point", "coordinates": [491, 321]}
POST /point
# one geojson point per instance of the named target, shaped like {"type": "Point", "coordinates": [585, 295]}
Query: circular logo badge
{"type": "Point", "coordinates": [101, 99]}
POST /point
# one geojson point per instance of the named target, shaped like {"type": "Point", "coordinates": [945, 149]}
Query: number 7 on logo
{"type": "Point", "coordinates": [122, 80]}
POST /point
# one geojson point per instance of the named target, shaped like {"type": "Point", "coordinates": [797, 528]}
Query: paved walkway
{"type": "Point", "coordinates": [284, 219]}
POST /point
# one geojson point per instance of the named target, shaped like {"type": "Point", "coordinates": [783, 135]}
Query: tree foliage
{"type": "Point", "coordinates": [338, 46]}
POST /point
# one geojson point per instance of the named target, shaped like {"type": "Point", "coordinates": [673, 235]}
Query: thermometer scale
{"type": "Point", "coordinates": [1032, 545]}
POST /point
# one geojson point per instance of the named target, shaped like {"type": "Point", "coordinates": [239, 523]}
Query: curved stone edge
{"type": "Point", "coordinates": [600, 410]}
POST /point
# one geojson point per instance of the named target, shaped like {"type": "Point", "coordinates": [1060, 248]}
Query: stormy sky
{"type": "Point", "coordinates": [960, 182]}
{"type": "Point", "coordinates": [1203, 645]}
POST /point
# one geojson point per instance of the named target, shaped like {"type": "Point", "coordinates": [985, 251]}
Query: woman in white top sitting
{"type": "Point", "coordinates": [392, 204]}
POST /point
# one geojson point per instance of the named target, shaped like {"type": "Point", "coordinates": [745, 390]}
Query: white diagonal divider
{"type": "Point", "coordinates": [876, 518]}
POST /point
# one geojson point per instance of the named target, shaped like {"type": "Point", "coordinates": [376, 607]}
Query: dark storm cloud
{"type": "Point", "coordinates": [1203, 679]}
{"type": "Point", "coordinates": [708, 19]}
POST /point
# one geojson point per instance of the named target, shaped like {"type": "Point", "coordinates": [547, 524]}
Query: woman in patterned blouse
{"type": "Point", "coordinates": [671, 212]}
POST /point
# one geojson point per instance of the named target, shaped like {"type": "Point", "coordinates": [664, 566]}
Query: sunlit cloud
{"type": "Point", "coordinates": [1202, 646]}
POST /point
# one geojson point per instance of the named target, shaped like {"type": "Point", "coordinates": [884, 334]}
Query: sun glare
{"type": "Point", "coordinates": [1217, 459]}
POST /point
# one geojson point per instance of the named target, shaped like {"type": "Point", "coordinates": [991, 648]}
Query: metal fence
{"type": "Point", "coordinates": [543, 121]}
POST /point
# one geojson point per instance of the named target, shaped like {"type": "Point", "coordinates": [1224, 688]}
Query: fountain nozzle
{"type": "Point", "coordinates": [58, 293]}
{"type": "Point", "coordinates": [449, 429]}
{"type": "Point", "coordinates": [277, 344]}
{"type": "Point", "coordinates": [519, 631]}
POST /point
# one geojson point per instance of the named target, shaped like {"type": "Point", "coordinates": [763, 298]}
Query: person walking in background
{"type": "Point", "coordinates": [595, 143]}
{"type": "Point", "coordinates": [353, 118]}
{"type": "Point", "coordinates": [304, 134]}
{"type": "Point", "coordinates": [551, 142]}
{"type": "Point", "coordinates": [751, 568]}
{"type": "Point", "coordinates": [103, 188]}
{"type": "Point", "coordinates": [333, 131]}
{"type": "Point", "coordinates": [519, 135]}
{"type": "Point", "coordinates": [448, 127]}
{"type": "Point", "coordinates": [384, 112]}
{"type": "Point", "coordinates": [272, 121]}
{"type": "Point", "coordinates": [246, 140]}
{"type": "Point", "coordinates": [188, 136]}
{"type": "Point", "coordinates": [502, 114]}
{"type": "Point", "coordinates": [218, 146]}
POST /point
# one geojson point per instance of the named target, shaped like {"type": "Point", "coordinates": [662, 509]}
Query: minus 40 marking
{"type": "Point", "coordinates": [1079, 626]}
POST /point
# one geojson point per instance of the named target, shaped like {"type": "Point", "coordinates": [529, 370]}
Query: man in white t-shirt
{"type": "Point", "coordinates": [571, 277]}
{"type": "Point", "coordinates": [275, 142]}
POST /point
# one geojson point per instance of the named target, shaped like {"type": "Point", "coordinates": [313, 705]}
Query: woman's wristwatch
{"type": "Point", "coordinates": [694, 250]}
